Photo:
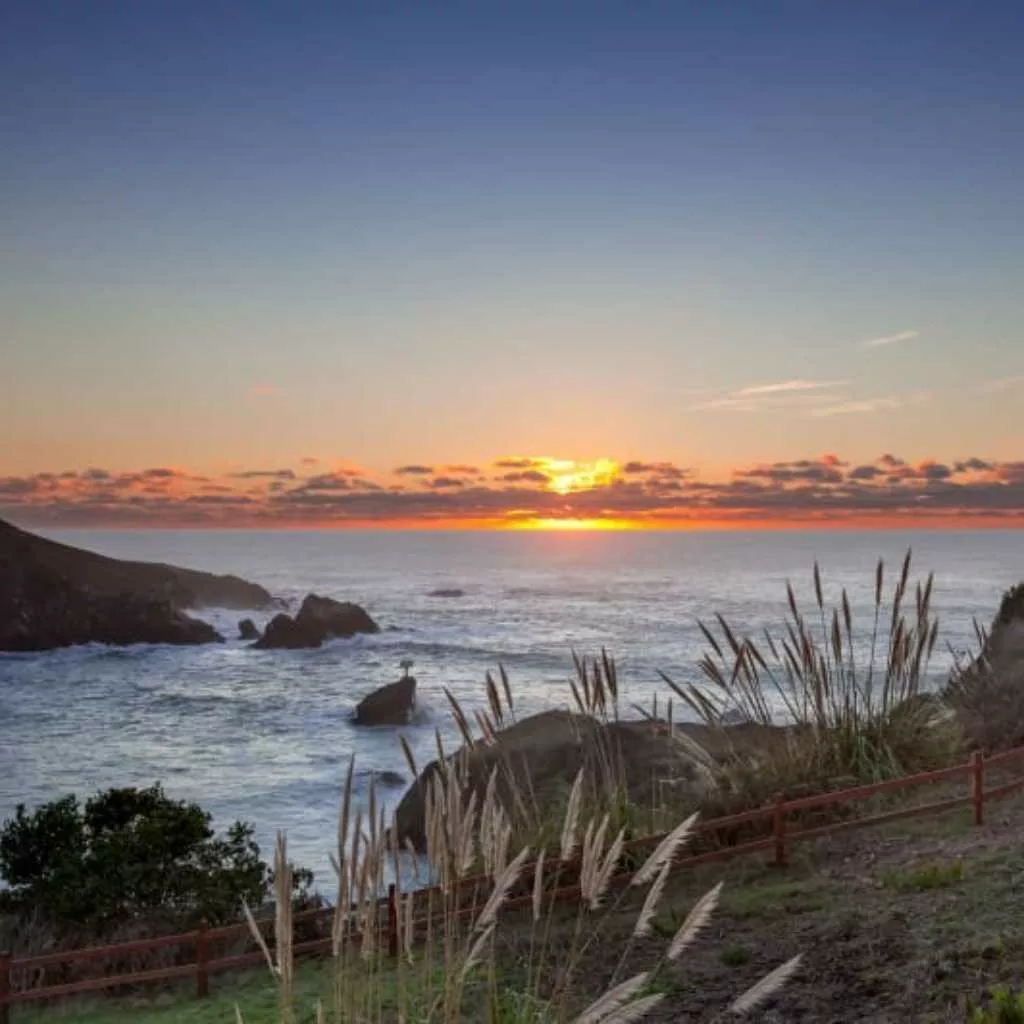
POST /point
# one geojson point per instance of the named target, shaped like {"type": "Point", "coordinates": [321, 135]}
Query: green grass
{"type": "Point", "coordinates": [925, 877]}
{"type": "Point", "coordinates": [256, 995]}
{"type": "Point", "coordinates": [734, 956]}
{"type": "Point", "coordinates": [774, 898]}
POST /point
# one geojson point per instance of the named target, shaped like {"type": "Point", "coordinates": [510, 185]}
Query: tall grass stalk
{"type": "Point", "coordinates": [844, 714]}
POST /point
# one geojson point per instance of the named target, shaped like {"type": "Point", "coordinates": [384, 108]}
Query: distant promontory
{"type": "Point", "coordinates": [54, 595]}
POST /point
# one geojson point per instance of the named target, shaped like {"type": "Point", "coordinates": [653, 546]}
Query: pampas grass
{"type": "Point", "coordinates": [612, 1000]}
{"type": "Point", "coordinates": [695, 921]}
{"type": "Point", "coordinates": [849, 707]}
{"type": "Point", "coordinates": [451, 965]}
{"type": "Point", "coordinates": [767, 987]}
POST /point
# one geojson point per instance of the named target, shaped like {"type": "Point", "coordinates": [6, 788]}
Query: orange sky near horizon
{"type": "Point", "coordinates": [531, 492]}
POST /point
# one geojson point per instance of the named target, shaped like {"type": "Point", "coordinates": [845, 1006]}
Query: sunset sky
{"type": "Point", "coordinates": [660, 264]}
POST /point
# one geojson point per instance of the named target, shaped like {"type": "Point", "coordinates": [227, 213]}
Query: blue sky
{"type": "Point", "coordinates": [241, 234]}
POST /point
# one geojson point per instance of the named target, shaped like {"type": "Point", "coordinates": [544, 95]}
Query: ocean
{"type": "Point", "coordinates": [266, 735]}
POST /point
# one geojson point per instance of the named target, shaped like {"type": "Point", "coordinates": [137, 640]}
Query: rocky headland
{"type": "Point", "coordinates": [54, 595]}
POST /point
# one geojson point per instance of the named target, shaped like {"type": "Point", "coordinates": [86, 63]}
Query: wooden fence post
{"type": "Point", "coordinates": [978, 780]}
{"type": "Point", "coordinates": [392, 920]}
{"type": "Point", "coordinates": [5, 988]}
{"type": "Point", "coordinates": [779, 830]}
{"type": "Point", "coordinates": [202, 958]}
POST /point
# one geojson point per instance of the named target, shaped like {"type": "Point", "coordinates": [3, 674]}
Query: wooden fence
{"type": "Point", "coordinates": [777, 843]}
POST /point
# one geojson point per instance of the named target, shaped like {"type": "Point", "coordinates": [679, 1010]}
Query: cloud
{"type": "Point", "coordinates": [518, 463]}
{"type": "Point", "coordinates": [973, 465]}
{"type": "Point", "coordinates": [263, 391]}
{"type": "Point", "coordinates": [665, 470]}
{"type": "Point", "coordinates": [934, 470]}
{"type": "Point", "coordinates": [414, 470]}
{"type": "Point", "coordinates": [786, 386]}
{"type": "Point", "coordinates": [823, 488]}
{"type": "Point", "coordinates": [884, 403]}
{"type": "Point", "coordinates": [890, 339]}
{"type": "Point", "coordinates": [269, 474]}
{"type": "Point", "coordinates": [462, 469]}
{"type": "Point", "coordinates": [795, 394]}
{"type": "Point", "coordinates": [823, 470]}
{"type": "Point", "coordinates": [310, 460]}
{"type": "Point", "coordinates": [527, 476]}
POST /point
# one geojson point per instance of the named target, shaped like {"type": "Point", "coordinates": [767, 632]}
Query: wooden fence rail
{"type": "Point", "coordinates": [779, 842]}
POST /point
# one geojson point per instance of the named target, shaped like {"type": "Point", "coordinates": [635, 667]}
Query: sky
{"type": "Point", "coordinates": [775, 249]}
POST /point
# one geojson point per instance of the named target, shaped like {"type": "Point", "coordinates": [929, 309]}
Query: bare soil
{"type": "Point", "coordinates": [894, 925]}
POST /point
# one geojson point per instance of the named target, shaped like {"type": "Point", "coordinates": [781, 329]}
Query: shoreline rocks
{"type": "Point", "coordinates": [53, 595]}
{"type": "Point", "coordinates": [285, 633]}
{"type": "Point", "coordinates": [390, 705]}
{"type": "Point", "coordinates": [319, 619]}
{"type": "Point", "coordinates": [247, 630]}
{"type": "Point", "coordinates": [541, 755]}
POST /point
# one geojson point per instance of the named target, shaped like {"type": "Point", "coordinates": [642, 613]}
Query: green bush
{"type": "Point", "coordinates": [129, 854]}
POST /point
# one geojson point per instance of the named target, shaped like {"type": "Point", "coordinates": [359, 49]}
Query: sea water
{"type": "Point", "coordinates": [266, 736]}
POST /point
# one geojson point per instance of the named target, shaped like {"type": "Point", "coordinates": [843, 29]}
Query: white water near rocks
{"type": "Point", "coordinates": [266, 736]}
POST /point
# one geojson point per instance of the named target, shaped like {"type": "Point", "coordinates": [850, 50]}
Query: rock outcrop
{"type": "Point", "coordinates": [390, 705]}
{"type": "Point", "coordinates": [53, 595]}
{"type": "Point", "coordinates": [541, 756]}
{"type": "Point", "coordinates": [319, 619]}
{"type": "Point", "coordinates": [383, 777]}
{"type": "Point", "coordinates": [247, 630]}
{"type": "Point", "coordinates": [987, 692]}
{"type": "Point", "coordinates": [334, 618]}
{"type": "Point", "coordinates": [285, 633]}
{"type": "Point", "coordinates": [1005, 646]}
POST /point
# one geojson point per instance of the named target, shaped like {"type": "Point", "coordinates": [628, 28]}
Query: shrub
{"type": "Point", "coordinates": [1004, 1007]}
{"type": "Point", "coordinates": [129, 854]}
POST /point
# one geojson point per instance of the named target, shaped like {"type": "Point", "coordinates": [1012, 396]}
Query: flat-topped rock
{"type": "Point", "coordinates": [390, 705]}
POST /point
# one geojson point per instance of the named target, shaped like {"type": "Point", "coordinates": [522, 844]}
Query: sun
{"type": "Point", "coordinates": [568, 475]}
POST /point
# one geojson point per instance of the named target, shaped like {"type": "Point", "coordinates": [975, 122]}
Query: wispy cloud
{"type": "Point", "coordinates": [781, 394]}
{"type": "Point", "coordinates": [263, 391]}
{"type": "Point", "coordinates": [1001, 383]}
{"type": "Point", "coordinates": [891, 339]}
{"type": "Point", "coordinates": [786, 386]}
{"type": "Point", "coordinates": [869, 405]}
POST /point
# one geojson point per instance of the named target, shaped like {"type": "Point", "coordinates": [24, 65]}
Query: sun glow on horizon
{"type": "Point", "coordinates": [568, 475]}
{"type": "Point", "coordinates": [568, 523]}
